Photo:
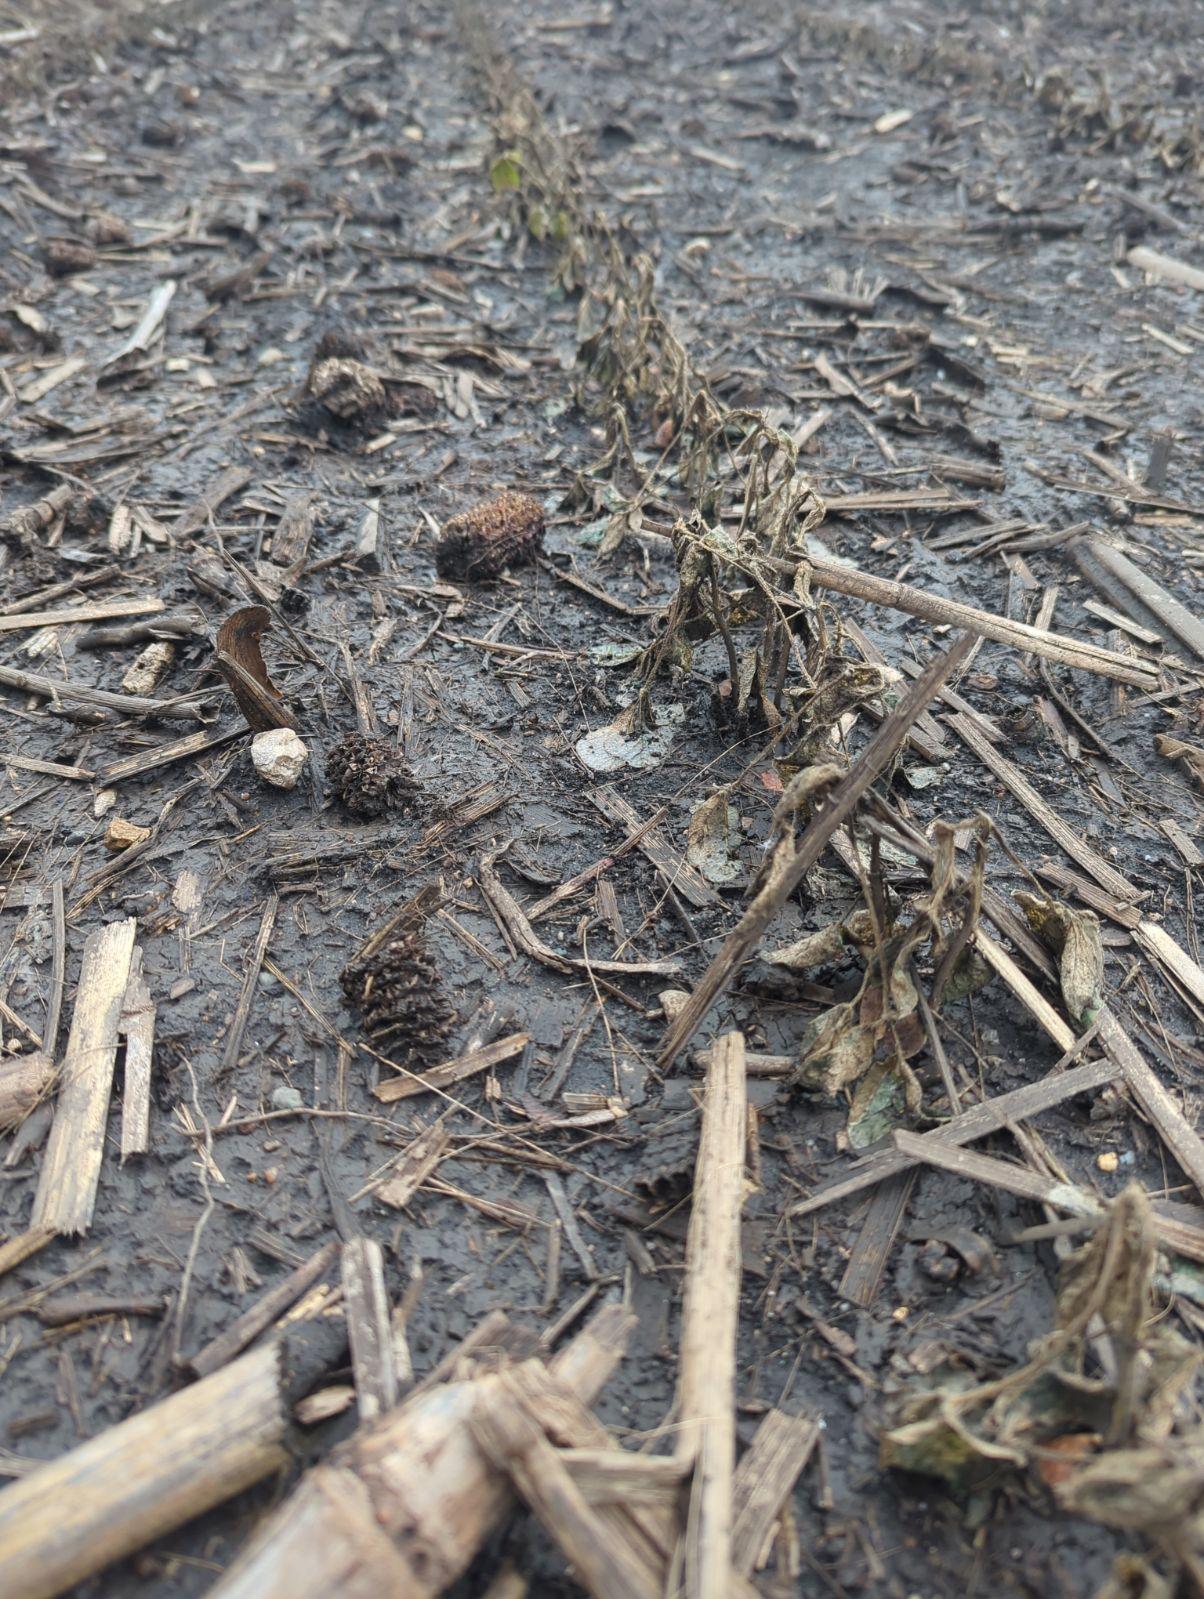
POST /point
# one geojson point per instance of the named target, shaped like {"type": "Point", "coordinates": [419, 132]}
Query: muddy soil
{"type": "Point", "coordinates": [975, 181]}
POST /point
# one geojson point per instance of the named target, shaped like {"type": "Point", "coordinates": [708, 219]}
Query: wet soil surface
{"type": "Point", "coordinates": [936, 205]}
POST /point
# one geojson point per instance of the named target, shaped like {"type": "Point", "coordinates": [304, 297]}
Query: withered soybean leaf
{"type": "Point", "coordinates": [240, 661]}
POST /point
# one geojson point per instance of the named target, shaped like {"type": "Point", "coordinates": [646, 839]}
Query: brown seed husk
{"type": "Point", "coordinates": [480, 543]}
{"type": "Point", "coordinates": [65, 256]}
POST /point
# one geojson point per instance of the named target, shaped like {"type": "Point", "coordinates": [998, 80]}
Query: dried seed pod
{"type": "Point", "coordinates": [399, 996]}
{"type": "Point", "coordinates": [347, 389]}
{"type": "Point", "coordinates": [105, 228]}
{"type": "Point", "coordinates": [481, 542]}
{"type": "Point", "coordinates": [370, 776]}
{"type": "Point", "coordinates": [162, 133]}
{"type": "Point", "coordinates": [64, 256]}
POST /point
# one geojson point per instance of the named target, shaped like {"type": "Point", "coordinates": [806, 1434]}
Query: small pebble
{"type": "Point", "coordinates": [268, 983]}
{"type": "Point", "coordinates": [286, 1098]}
{"type": "Point", "coordinates": [279, 756]}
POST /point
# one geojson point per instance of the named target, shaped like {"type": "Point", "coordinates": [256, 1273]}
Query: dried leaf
{"type": "Point", "coordinates": [608, 749]}
{"type": "Point", "coordinates": [240, 661]}
{"type": "Point", "coordinates": [713, 838]}
{"type": "Point", "coordinates": [816, 949]}
{"type": "Point", "coordinates": [1074, 936]}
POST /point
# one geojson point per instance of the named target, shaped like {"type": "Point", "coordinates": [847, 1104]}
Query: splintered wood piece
{"type": "Point", "coordinates": [453, 1071]}
{"type": "Point", "coordinates": [673, 869]}
{"type": "Point", "coordinates": [70, 1171]}
{"type": "Point", "coordinates": [1019, 1105]}
{"type": "Point", "coordinates": [139, 1479]}
{"type": "Point", "coordinates": [138, 1025]}
{"type": "Point", "coordinates": [291, 540]}
{"type": "Point", "coordinates": [863, 1274]}
{"type": "Point", "coordinates": [215, 496]}
{"type": "Point", "coordinates": [403, 1507]}
{"type": "Point", "coordinates": [242, 1011]}
{"type": "Point", "coordinates": [412, 1168]}
{"type": "Point", "coordinates": [179, 749]}
{"type": "Point", "coordinates": [706, 1390]}
{"type": "Point", "coordinates": [516, 1444]}
{"type": "Point", "coordinates": [764, 1479]}
{"type": "Point", "coordinates": [789, 864]}
{"type": "Point", "coordinates": [240, 661]}
{"type": "Point", "coordinates": [268, 1308]}
{"type": "Point", "coordinates": [369, 1327]}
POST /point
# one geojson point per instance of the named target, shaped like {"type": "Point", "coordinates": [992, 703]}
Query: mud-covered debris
{"type": "Point", "coordinates": [481, 542]}
{"type": "Point", "coordinates": [369, 775]}
{"type": "Point", "coordinates": [64, 256]}
{"type": "Point", "coordinates": [103, 228]}
{"type": "Point", "coordinates": [398, 993]}
{"type": "Point", "coordinates": [666, 1169]}
{"type": "Point", "coordinates": [278, 756]}
{"type": "Point", "coordinates": [121, 835]}
{"type": "Point", "coordinates": [161, 133]}
{"type": "Point", "coordinates": [339, 344]}
{"type": "Point", "coordinates": [87, 514]}
{"type": "Point", "coordinates": [347, 389]}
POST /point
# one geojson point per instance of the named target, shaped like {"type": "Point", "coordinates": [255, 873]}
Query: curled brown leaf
{"type": "Point", "coordinates": [240, 661]}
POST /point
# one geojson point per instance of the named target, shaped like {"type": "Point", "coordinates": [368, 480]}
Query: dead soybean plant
{"type": "Point", "coordinates": [864, 1045]}
{"type": "Point", "coordinates": [634, 367]}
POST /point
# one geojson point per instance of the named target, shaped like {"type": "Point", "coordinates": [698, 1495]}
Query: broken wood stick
{"type": "Point", "coordinates": [673, 869]}
{"type": "Point", "coordinates": [706, 1390]}
{"type": "Point", "coordinates": [185, 709]}
{"type": "Point", "coordinates": [369, 1328]}
{"type": "Point", "coordinates": [789, 864]}
{"type": "Point", "coordinates": [1173, 1127]}
{"type": "Point", "coordinates": [268, 1308]}
{"type": "Point", "coordinates": [70, 1171]}
{"type": "Point", "coordinates": [149, 1474]}
{"type": "Point", "coordinates": [64, 616]}
{"type": "Point", "coordinates": [506, 1427]}
{"type": "Point", "coordinates": [403, 1507]}
{"type": "Point", "coordinates": [842, 579]}
{"type": "Point", "coordinates": [781, 1447]}
{"type": "Point", "coordinates": [510, 913]}
{"type": "Point", "coordinates": [1164, 608]}
{"type": "Point", "coordinates": [1166, 266]}
{"type": "Point", "coordinates": [1040, 1187]}
{"type": "Point", "coordinates": [232, 1049]}
{"type": "Point", "coordinates": [453, 1071]}
{"type": "Point", "coordinates": [138, 1027]}
{"type": "Point", "coordinates": [1020, 1104]}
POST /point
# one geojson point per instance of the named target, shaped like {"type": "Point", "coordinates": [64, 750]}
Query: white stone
{"type": "Point", "coordinates": [279, 756]}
